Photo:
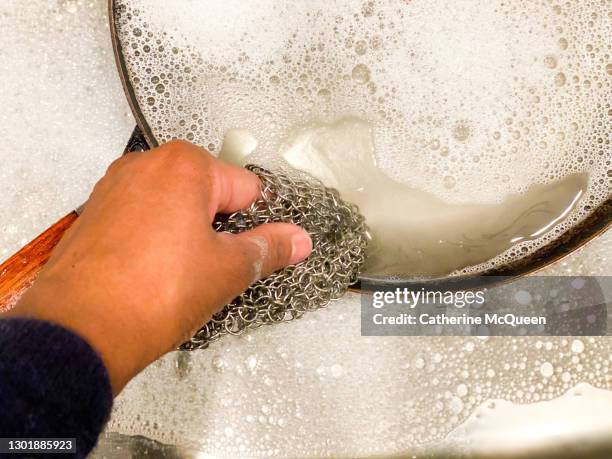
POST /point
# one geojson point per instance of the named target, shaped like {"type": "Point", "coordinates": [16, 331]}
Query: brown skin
{"type": "Point", "coordinates": [142, 269]}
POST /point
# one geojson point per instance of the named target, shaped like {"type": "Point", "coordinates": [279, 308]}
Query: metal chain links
{"type": "Point", "coordinates": [339, 235]}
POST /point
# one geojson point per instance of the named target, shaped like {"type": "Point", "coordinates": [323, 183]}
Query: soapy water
{"type": "Point", "coordinates": [413, 231]}
{"type": "Point", "coordinates": [64, 115]}
{"type": "Point", "coordinates": [468, 104]}
{"type": "Point", "coordinates": [316, 388]}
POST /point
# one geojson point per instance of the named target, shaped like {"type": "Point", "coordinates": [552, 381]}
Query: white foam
{"type": "Point", "coordinates": [64, 116]}
{"type": "Point", "coordinates": [581, 419]}
{"type": "Point", "coordinates": [315, 387]}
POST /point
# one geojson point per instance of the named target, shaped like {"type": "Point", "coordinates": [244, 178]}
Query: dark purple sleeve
{"type": "Point", "coordinates": [52, 384]}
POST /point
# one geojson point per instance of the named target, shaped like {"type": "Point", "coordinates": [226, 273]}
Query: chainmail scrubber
{"type": "Point", "coordinates": [339, 235]}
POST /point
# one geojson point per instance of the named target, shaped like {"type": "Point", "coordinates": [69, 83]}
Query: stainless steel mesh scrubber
{"type": "Point", "coordinates": [340, 237]}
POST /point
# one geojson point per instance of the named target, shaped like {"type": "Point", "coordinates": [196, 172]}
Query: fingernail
{"type": "Point", "coordinates": [301, 247]}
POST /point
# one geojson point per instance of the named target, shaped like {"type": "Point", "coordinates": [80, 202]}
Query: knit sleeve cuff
{"type": "Point", "coordinates": [52, 384]}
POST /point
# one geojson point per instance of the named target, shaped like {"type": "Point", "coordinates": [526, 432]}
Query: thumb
{"type": "Point", "coordinates": [269, 248]}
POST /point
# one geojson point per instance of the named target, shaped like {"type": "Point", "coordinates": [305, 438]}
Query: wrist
{"type": "Point", "coordinates": [120, 351]}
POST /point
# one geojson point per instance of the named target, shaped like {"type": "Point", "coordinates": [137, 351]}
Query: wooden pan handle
{"type": "Point", "coordinates": [19, 272]}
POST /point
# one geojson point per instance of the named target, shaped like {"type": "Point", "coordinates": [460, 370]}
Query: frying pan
{"type": "Point", "coordinates": [19, 271]}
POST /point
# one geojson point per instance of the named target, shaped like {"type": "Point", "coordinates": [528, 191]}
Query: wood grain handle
{"type": "Point", "coordinates": [19, 272]}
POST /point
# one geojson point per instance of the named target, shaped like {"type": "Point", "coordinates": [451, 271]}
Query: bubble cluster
{"type": "Point", "coordinates": [282, 393]}
{"type": "Point", "coordinates": [472, 101]}
{"type": "Point", "coordinates": [64, 115]}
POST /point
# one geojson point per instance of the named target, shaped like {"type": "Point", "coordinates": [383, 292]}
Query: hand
{"type": "Point", "coordinates": [141, 269]}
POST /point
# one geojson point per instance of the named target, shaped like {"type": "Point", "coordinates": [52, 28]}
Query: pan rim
{"type": "Point", "coordinates": [128, 89]}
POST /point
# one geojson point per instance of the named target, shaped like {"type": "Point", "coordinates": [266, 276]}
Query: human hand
{"type": "Point", "coordinates": [142, 269]}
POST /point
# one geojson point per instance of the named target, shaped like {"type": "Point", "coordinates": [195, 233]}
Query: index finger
{"type": "Point", "coordinates": [232, 188]}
